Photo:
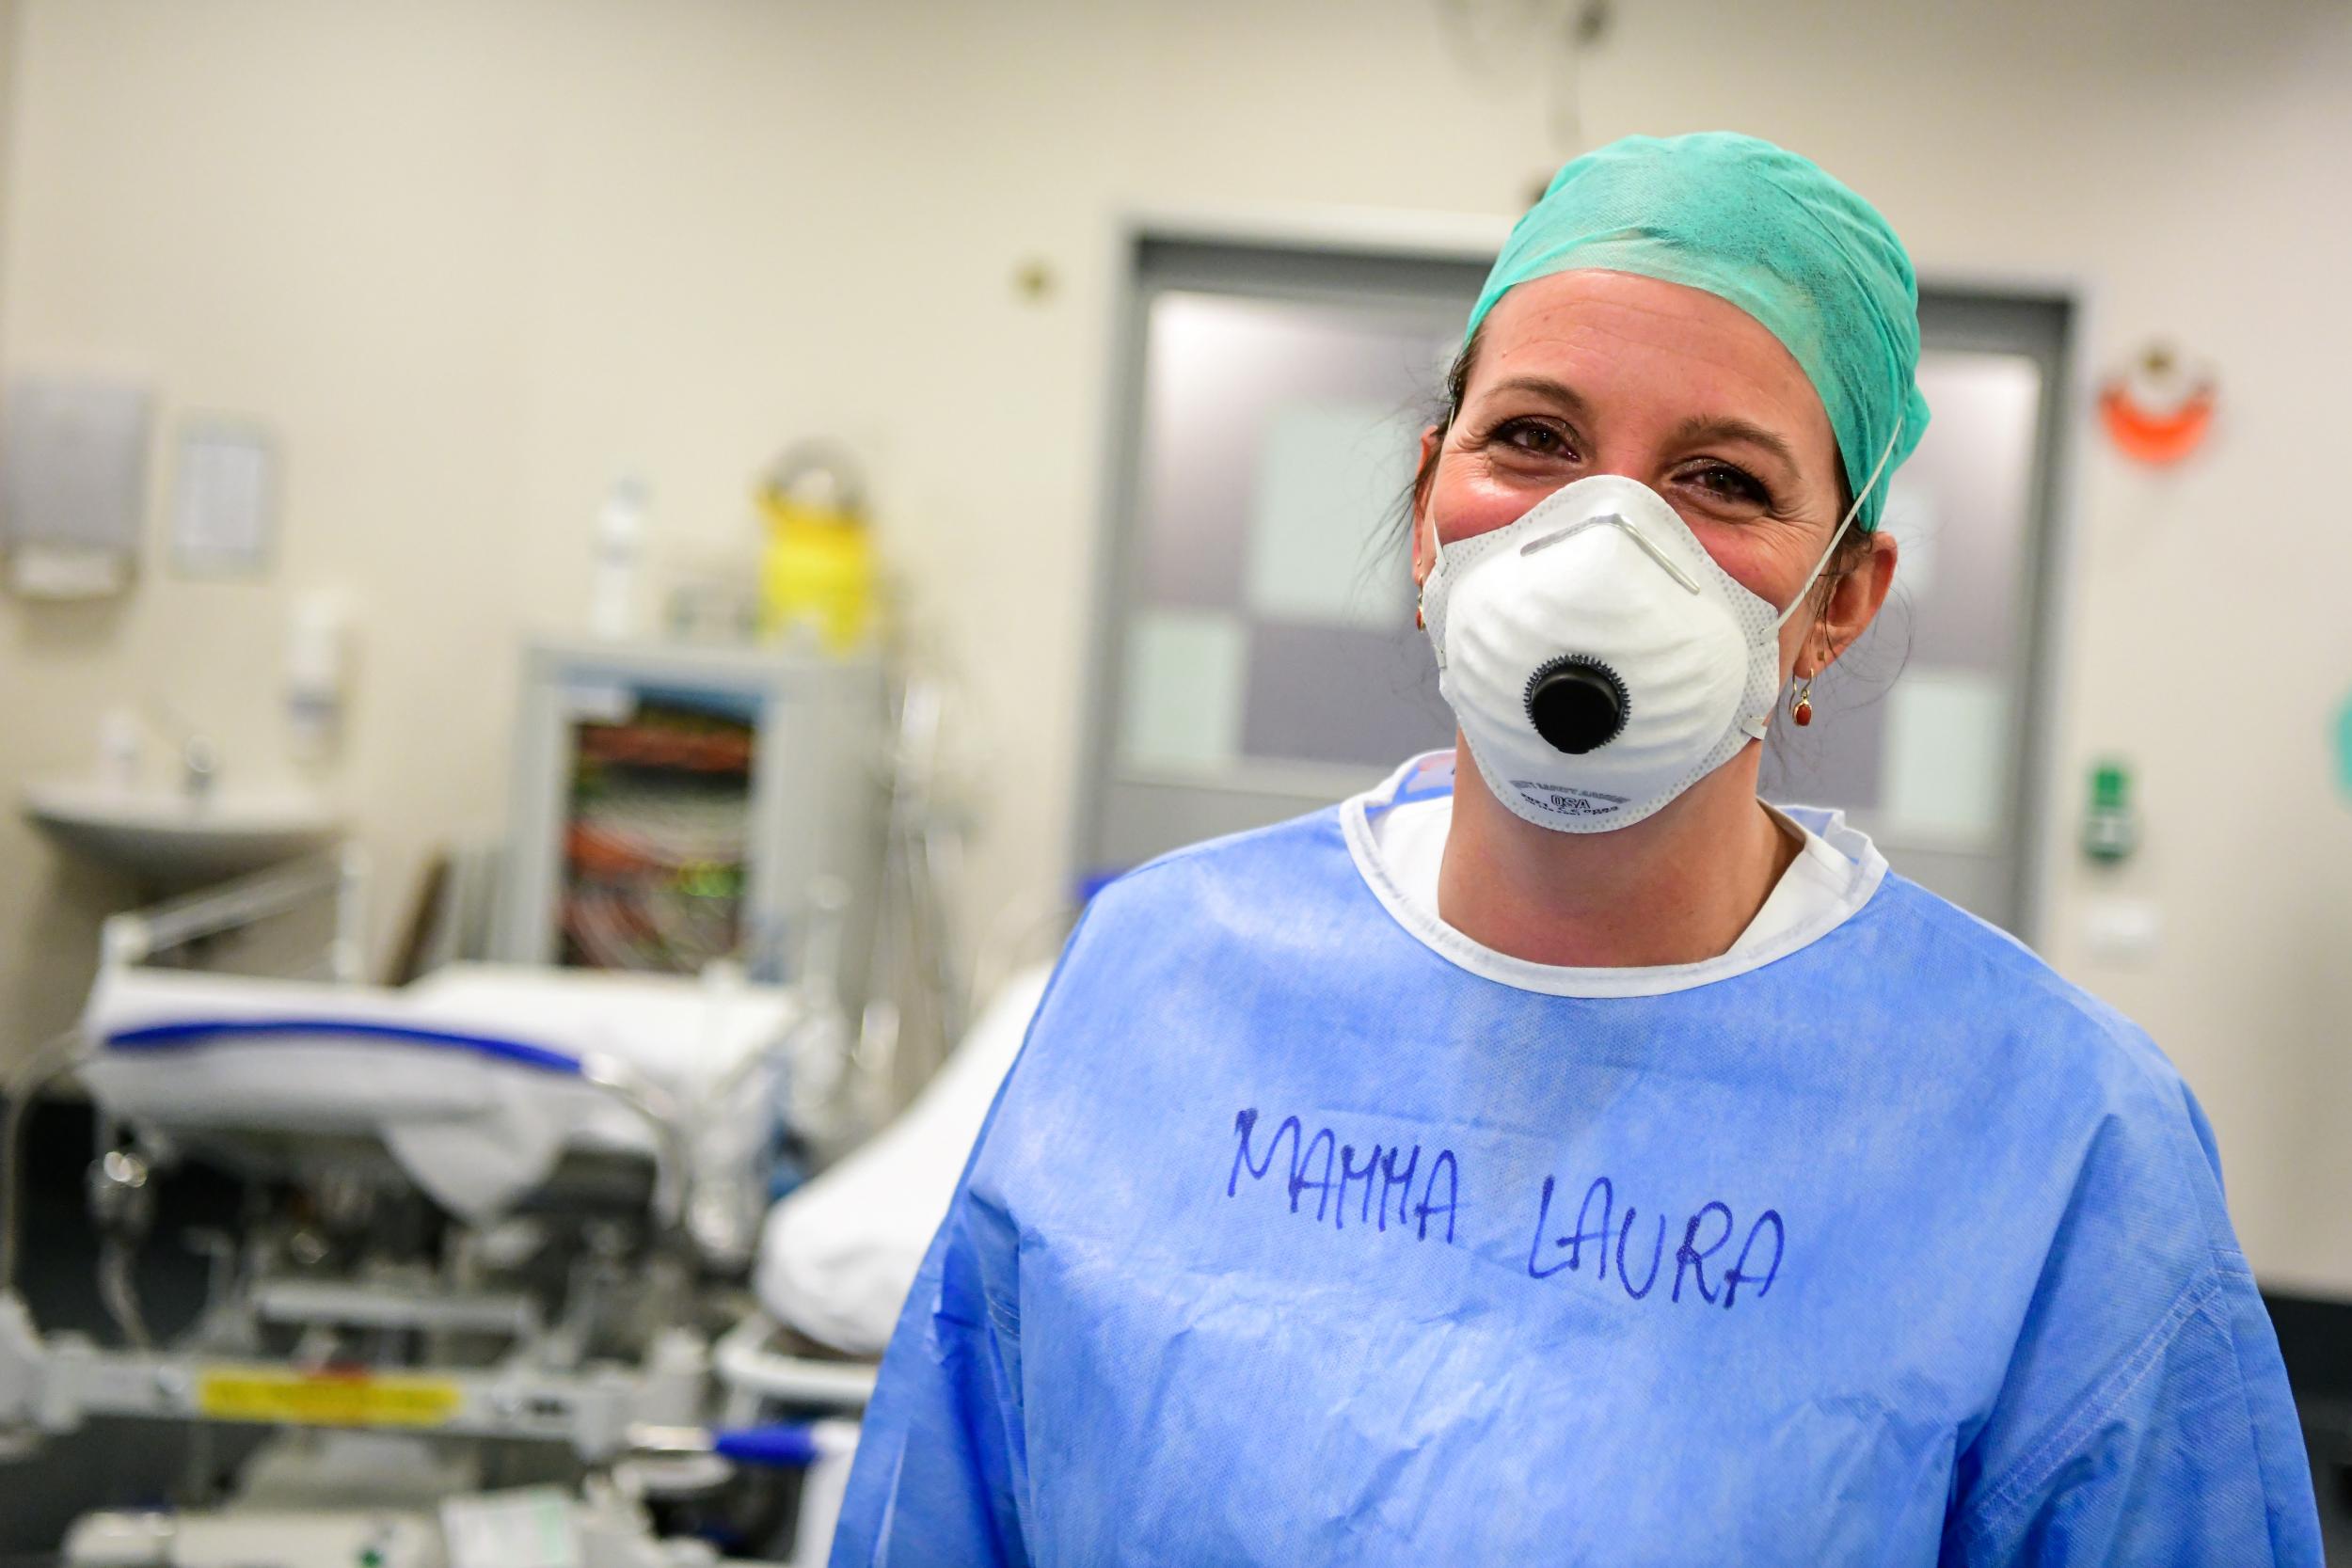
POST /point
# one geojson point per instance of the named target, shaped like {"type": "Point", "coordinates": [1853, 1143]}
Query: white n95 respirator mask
{"type": "Point", "coordinates": [1598, 661]}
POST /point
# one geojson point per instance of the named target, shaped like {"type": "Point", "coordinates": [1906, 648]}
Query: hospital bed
{"type": "Point", "coordinates": [503, 1211]}
{"type": "Point", "coordinates": [599, 1273]}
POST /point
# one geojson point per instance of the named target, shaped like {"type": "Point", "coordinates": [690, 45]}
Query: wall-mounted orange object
{"type": "Point", "coordinates": [2159, 413]}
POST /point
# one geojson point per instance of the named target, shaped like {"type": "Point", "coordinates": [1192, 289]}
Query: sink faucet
{"type": "Point", "coordinates": [200, 759]}
{"type": "Point", "coordinates": [198, 766]}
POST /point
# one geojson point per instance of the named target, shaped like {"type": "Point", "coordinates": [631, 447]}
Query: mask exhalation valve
{"type": "Point", "coordinates": [1577, 704]}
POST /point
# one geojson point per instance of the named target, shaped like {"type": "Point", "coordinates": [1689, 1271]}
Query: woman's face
{"type": "Point", "coordinates": [1605, 372]}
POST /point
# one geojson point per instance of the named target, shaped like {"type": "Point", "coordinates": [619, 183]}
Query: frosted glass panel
{"type": "Point", "coordinates": [1324, 469]}
{"type": "Point", "coordinates": [1334, 695]}
{"type": "Point", "coordinates": [1181, 703]}
{"type": "Point", "coordinates": [1948, 753]}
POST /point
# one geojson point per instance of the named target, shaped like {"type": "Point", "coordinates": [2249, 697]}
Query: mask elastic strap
{"type": "Point", "coordinates": [1851, 512]}
{"type": "Point", "coordinates": [1437, 560]}
{"type": "Point", "coordinates": [1437, 539]}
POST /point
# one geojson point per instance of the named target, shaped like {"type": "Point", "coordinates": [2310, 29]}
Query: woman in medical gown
{"type": "Point", "coordinates": [1557, 1155]}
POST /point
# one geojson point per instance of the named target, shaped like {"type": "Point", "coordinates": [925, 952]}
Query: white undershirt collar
{"type": "Point", "coordinates": [1396, 836]}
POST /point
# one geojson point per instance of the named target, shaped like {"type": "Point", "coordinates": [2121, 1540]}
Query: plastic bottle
{"type": "Point", "coordinates": [317, 653]}
{"type": "Point", "coordinates": [620, 550]}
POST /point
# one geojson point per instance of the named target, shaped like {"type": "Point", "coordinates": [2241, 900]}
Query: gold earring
{"type": "Point", "coordinates": [1801, 701]}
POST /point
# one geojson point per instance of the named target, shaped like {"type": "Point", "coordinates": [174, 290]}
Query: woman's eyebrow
{"type": "Point", "coordinates": [1701, 430]}
{"type": "Point", "coordinates": [1558, 392]}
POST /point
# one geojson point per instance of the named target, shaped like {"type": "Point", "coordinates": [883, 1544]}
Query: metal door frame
{"type": "Point", "coordinates": [2040, 789]}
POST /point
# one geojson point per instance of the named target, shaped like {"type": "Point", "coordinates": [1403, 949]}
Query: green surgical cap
{"type": "Point", "coordinates": [1768, 231]}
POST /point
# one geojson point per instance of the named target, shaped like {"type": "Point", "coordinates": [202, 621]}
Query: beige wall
{"type": "Point", "coordinates": [470, 260]}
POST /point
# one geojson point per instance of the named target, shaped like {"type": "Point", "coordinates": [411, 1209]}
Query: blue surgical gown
{"type": "Point", "coordinates": [1291, 1241]}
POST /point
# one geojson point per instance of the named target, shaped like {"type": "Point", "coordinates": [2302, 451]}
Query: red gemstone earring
{"type": "Point", "coordinates": [1801, 701]}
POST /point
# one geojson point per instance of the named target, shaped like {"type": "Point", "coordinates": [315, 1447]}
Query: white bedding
{"type": "Point", "coordinates": [474, 1129]}
{"type": "Point", "coordinates": [838, 1255]}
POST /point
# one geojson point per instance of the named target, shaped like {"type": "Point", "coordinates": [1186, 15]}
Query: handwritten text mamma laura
{"type": "Point", "coordinates": [1390, 1187]}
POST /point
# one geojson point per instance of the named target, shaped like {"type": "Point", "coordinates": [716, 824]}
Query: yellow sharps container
{"type": "Point", "coordinates": [816, 575]}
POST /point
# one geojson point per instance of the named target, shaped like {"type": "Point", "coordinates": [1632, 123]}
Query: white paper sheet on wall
{"type": "Point", "coordinates": [221, 502]}
{"type": "Point", "coordinates": [1183, 707]}
{"type": "Point", "coordinates": [1947, 743]}
{"type": "Point", "coordinates": [1329, 475]}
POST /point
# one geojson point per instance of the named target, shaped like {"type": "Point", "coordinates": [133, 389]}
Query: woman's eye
{"type": "Point", "coordinates": [1532, 437]}
{"type": "Point", "coordinates": [1729, 483]}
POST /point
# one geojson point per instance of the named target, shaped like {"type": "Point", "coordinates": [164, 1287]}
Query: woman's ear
{"type": "Point", "coordinates": [1856, 595]}
{"type": "Point", "coordinates": [1424, 480]}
